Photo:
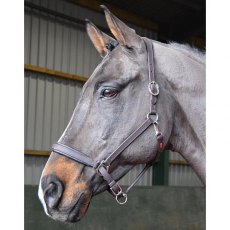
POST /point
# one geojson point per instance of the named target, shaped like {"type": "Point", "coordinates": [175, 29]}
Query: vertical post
{"type": "Point", "coordinates": [161, 170]}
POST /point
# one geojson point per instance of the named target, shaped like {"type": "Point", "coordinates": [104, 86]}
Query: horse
{"type": "Point", "coordinates": [144, 97]}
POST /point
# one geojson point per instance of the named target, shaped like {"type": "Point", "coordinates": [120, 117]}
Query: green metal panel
{"type": "Point", "coordinates": [161, 170]}
{"type": "Point", "coordinates": [157, 207]}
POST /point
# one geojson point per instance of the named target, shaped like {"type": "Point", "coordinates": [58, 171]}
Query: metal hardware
{"type": "Point", "coordinates": [124, 195]}
{"type": "Point", "coordinates": [151, 87]}
{"type": "Point", "coordinates": [158, 135]}
{"type": "Point", "coordinates": [155, 124]}
{"type": "Point", "coordinates": [101, 164]}
{"type": "Point", "coordinates": [154, 114]}
{"type": "Point", "coordinates": [119, 192]}
{"type": "Point", "coordinates": [119, 195]}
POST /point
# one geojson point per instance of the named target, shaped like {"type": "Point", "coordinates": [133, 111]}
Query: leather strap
{"type": "Point", "coordinates": [72, 154]}
{"type": "Point", "coordinates": [128, 141]}
{"type": "Point", "coordinates": [147, 166]}
{"type": "Point", "coordinates": [154, 90]}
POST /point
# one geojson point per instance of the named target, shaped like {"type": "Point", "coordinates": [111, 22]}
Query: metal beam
{"type": "Point", "coordinates": [178, 162]}
{"type": "Point", "coordinates": [123, 14]}
{"type": "Point", "coordinates": [36, 152]}
{"type": "Point", "coordinates": [54, 73]}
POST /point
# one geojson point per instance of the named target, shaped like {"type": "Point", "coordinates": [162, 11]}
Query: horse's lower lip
{"type": "Point", "coordinates": [74, 213]}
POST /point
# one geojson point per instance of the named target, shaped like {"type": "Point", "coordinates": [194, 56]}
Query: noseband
{"type": "Point", "coordinates": [102, 167]}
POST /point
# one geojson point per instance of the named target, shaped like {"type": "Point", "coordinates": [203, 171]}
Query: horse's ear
{"type": "Point", "coordinates": [100, 40]}
{"type": "Point", "coordinates": [124, 34]}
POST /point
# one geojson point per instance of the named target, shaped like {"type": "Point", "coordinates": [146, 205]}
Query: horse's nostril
{"type": "Point", "coordinates": [53, 193]}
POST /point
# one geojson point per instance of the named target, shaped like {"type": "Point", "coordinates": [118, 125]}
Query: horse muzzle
{"type": "Point", "coordinates": [63, 204]}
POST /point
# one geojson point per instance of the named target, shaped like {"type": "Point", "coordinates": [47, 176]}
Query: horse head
{"type": "Point", "coordinates": [113, 103]}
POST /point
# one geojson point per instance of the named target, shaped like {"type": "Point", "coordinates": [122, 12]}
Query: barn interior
{"type": "Point", "coordinates": [58, 60]}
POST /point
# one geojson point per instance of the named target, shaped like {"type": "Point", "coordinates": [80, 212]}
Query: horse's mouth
{"type": "Point", "coordinates": [79, 209]}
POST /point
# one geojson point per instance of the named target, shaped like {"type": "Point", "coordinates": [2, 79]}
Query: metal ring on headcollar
{"type": "Point", "coordinates": [156, 86]}
{"type": "Point", "coordinates": [120, 194]}
{"type": "Point", "coordinates": [155, 114]}
{"type": "Point", "coordinates": [123, 195]}
{"type": "Point", "coordinates": [101, 164]}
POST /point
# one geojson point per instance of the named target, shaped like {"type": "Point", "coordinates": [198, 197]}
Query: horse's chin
{"type": "Point", "coordinates": [79, 209]}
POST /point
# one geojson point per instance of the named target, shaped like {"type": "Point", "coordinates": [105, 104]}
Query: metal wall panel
{"type": "Point", "coordinates": [56, 43]}
{"type": "Point", "coordinates": [49, 104]}
{"type": "Point", "coordinates": [146, 179]}
{"type": "Point", "coordinates": [33, 169]}
{"type": "Point", "coordinates": [182, 175]}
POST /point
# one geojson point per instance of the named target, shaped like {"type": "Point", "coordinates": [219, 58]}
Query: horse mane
{"type": "Point", "coordinates": [189, 51]}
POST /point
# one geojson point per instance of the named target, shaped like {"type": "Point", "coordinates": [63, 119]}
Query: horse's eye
{"type": "Point", "coordinates": [109, 93]}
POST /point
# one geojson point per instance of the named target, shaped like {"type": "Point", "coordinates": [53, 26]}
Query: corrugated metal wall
{"type": "Point", "coordinates": [49, 103]}
{"type": "Point", "coordinates": [181, 175]}
{"type": "Point", "coordinates": [57, 44]}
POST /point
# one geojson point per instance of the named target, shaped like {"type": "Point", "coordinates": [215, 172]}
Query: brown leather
{"type": "Point", "coordinates": [102, 167]}
{"type": "Point", "coordinates": [72, 154]}
{"type": "Point", "coordinates": [128, 141]}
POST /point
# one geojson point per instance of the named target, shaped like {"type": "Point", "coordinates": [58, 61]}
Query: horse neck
{"type": "Point", "coordinates": [184, 77]}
